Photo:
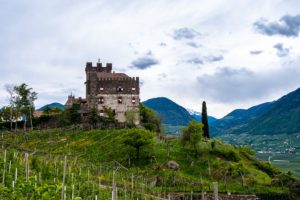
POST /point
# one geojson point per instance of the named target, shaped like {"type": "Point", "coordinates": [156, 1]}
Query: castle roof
{"type": "Point", "coordinates": [111, 75]}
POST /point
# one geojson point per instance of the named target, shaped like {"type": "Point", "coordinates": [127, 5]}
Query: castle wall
{"type": "Point", "coordinates": [120, 108]}
{"type": "Point", "coordinates": [102, 83]}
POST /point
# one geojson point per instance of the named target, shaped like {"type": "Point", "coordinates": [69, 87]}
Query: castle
{"type": "Point", "coordinates": [106, 89]}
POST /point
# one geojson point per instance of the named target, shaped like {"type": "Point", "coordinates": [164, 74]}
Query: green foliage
{"type": "Point", "coordinates": [71, 115]}
{"type": "Point", "coordinates": [52, 111]}
{"type": "Point", "coordinates": [25, 98]}
{"type": "Point", "coordinates": [131, 118]}
{"type": "Point", "coordinates": [192, 135]}
{"type": "Point", "coordinates": [150, 120]}
{"type": "Point", "coordinates": [94, 155]}
{"type": "Point", "coordinates": [137, 138]}
{"type": "Point", "coordinates": [5, 113]}
{"type": "Point", "coordinates": [93, 117]}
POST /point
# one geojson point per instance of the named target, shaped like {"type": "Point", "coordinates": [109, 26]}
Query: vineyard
{"type": "Point", "coordinates": [92, 165]}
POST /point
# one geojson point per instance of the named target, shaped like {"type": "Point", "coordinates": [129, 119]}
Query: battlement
{"type": "Point", "coordinates": [130, 79]}
{"type": "Point", "coordinates": [98, 67]}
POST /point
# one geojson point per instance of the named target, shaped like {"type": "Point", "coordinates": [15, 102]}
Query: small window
{"type": "Point", "coordinates": [133, 89]}
{"type": "Point", "coordinates": [101, 89]}
{"type": "Point", "coordinates": [102, 113]}
{"type": "Point", "coordinates": [101, 100]}
{"type": "Point", "coordinates": [119, 100]}
{"type": "Point", "coordinates": [120, 89]}
{"type": "Point", "coordinates": [133, 100]}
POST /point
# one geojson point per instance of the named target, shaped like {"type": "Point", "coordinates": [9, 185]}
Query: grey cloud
{"type": "Point", "coordinates": [207, 59]}
{"type": "Point", "coordinates": [162, 44]}
{"type": "Point", "coordinates": [196, 61]}
{"type": "Point", "coordinates": [213, 58]}
{"type": "Point", "coordinates": [257, 52]}
{"type": "Point", "coordinates": [281, 50]}
{"type": "Point", "coordinates": [144, 62]}
{"type": "Point", "coordinates": [287, 25]}
{"type": "Point", "coordinates": [228, 85]}
{"type": "Point", "coordinates": [193, 44]}
{"type": "Point", "coordinates": [185, 33]}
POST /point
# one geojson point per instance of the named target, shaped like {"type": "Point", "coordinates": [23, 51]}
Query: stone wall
{"type": "Point", "coordinates": [113, 102]}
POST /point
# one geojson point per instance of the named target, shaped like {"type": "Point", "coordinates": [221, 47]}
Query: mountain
{"type": "Point", "coordinates": [198, 116]}
{"type": "Point", "coordinates": [170, 112]}
{"type": "Point", "coordinates": [278, 117]}
{"type": "Point", "coordinates": [174, 116]}
{"type": "Point", "coordinates": [52, 105]}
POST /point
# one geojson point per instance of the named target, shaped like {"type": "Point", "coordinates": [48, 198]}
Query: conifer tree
{"type": "Point", "coordinates": [205, 120]}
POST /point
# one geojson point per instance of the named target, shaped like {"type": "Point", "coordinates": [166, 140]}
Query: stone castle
{"type": "Point", "coordinates": [106, 89]}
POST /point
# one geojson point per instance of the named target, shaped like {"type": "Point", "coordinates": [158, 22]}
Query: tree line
{"type": "Point", "coordinates": [21, 100]}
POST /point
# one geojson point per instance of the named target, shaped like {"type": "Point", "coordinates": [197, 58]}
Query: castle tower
{"type": "Point", "coordinates": [106, 89]}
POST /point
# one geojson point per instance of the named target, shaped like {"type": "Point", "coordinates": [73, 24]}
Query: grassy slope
{"type": "Point", "coordinates": [104, 147]}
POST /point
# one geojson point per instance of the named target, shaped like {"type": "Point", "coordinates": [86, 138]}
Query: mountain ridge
{"type": "Point", "coordinates": [276, 117]}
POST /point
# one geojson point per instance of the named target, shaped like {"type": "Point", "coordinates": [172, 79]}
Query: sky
{"type": "Point", "coordinates": [230, 53]}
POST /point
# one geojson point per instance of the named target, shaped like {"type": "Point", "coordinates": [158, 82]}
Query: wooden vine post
{"type": "Point", "coordinates": [64, 179]}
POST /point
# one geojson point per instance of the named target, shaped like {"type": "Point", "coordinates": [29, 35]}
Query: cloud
{"type": "Point", "coordinates": [281, 51]}
{"type": "Point", "coordinates": [144, 62]}
{"type": "Point", "coordinates": [287, 25]}
{"type": "Point", "coordinates": [206, 59]}
{"type": "Point", "coordinates": [229, 85]}
{"type": "Point", "coordinates": [185, 33]}
{"type": "Point", "coordinates": [213, 58]}
{"type": "Point", "coordinates": [162, 44]}
{"type": "Point", "coordinates": [193, 44]}
{"type": "Point", "coordinates": [256, 52]}
{"type": "Point", "coordinates": [195, 61]}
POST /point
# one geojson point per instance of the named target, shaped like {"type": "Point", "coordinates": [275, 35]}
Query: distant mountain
{"type": "Point", "coordinates": [52, 105]}
{"type": "Point", "coordinates": [198, 116]}
{"type": "Point", "coordinates": [174, 116]}
{"type": "Point", "coordinates": [170, 112]}
{"type": "Point", "coordinates": [277, 117]}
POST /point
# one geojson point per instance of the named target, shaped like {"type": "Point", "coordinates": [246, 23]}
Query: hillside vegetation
{"type": "Point", "coordinates": [95, 158]}
{"type": "Point", "coordinates": [279, 117]}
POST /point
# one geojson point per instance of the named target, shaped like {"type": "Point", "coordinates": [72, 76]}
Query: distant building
{"type": "Point", "coordinates": [106, 89]}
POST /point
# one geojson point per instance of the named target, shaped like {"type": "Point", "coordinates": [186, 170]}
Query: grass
{"type": "Point", "coordinates": [89, 151]}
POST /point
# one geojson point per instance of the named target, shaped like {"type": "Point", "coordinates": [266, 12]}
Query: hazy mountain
{"type": "Point", "coordinates": [277, 117]}
{"type": "Point", "coordinates": [52, 105]}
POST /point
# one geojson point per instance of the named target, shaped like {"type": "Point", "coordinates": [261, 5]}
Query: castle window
{"type": "Point", "coordinates": [133, 100]}
{"type": "Point", "coordinates": [119, 89]}
{"type": "Point", "coordinates": [133, 89]}
{"type": "Point", "coordinates": [101, 89]}
{"type": "Point", "coordinates": [119, 100]}
{"type": "Point", "coordinates": [101, 100]}
{"type": "Point", "coordinates": [102, 113]}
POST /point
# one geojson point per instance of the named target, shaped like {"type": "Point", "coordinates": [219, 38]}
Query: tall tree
{"type": "Point", "coordinates": [205, 120]}
{"type": "Point", "coordinates": [25, 98]}
{"type": "Point", "coordinates": [11, 98]}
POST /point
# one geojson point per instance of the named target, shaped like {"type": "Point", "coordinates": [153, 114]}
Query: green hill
{"type": "Point", "coordinates": [170, 112]}
{"type": "Point", "coordinates": [52, 105]}
{"type": "Point", "coordinates": [173, 116]}
{"type": "Point", "coordinates": [96, 157]}
{"type": "Point", "coordinates": [278, 117]}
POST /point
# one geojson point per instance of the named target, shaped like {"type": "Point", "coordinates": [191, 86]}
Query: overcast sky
{"type": "Point", "coordinates": [230, 53]}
